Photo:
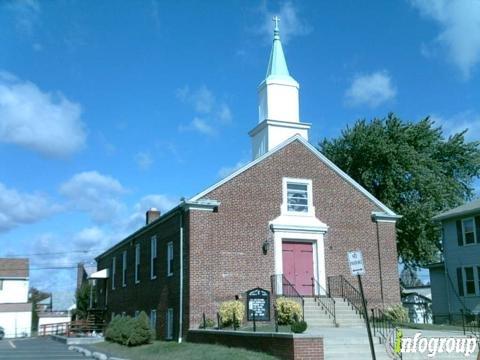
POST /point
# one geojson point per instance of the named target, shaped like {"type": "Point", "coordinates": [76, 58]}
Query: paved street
{"type": "Point", "coordinates": [36, 348]}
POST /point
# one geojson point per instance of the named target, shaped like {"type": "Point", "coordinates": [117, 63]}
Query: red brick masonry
{"type": "Point", "coordinates": [284, 346]}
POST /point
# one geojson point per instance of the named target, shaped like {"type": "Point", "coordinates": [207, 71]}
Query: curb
{"type": "Point", "coordinates": [95, 355]}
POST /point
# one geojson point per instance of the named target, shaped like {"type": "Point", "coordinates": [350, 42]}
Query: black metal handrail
{"type": "Point", "coordinates": [282, 287]}
{"type": "Point", "coordinates": [322, 296]}
{"type": "Point", "coordinates": [471, 324]}
{"type": "Point", "coordinates": [382, 325]}
{"type": "Point", "coordinates": [338, 286]}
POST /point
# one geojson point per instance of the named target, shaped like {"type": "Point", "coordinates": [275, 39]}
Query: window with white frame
{"type": "Point", "coordinates": [297, 196]}
{"type": "Point", "coordinates": [153, 257]}
{"type": "Point", "coordinates": [137, 263]}
{"type": "Point", "coordinates": [468, 280]}
{"type": "Point", "coordinates": [169, 325]}
{"type": "Point", "coordinates": [468, 226]}
{"type": "Point", "coordinates": [170, 259]}
{"type": "Point", "coordinates": [124, 268]}
{"type": "Point", "coordinates": [153, 319]}
{"type": "Point", "coordinates": [113, 272]}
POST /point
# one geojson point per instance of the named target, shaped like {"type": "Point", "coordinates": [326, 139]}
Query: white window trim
{"type": "Point", "coordinates": [124, 268]}
{"type": "Point", "coordinates": [284, 208]}
{"type": "Point", "coordinates": [153, 324]}
{"type": "Point", "coordinates": [153, 244]}
{"type": "Point", "coordinates": [474, 232]}
{"type": "Point", "coordinates": [476, 277]}
{"type": "Point", "coordinates": [169, 257]}
{"type": "Point", "coordinates": [114, 271]}
{"type": "Point", "coordinates": [169, 324]}
{"type": "Point", "coordinates": [137, 262]}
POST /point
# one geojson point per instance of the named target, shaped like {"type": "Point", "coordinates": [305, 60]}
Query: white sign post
{"type": "Point", "coordinates": [357, 268]}
{"type": "Point", "coordinates": [355, 260]}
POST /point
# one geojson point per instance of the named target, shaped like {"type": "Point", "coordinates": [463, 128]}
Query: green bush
{"type": "Point", "coordinates": [129, 331]}
{"type": "Point", "coordinates": [397, 314]}
{"type": "Point", "coordinates": [228, 308]}
{"type": "Point", "coordinates": [288, 311]}
{"type": "Point", "coordinates": [299, 327]}
{"type": "Point", "coordinates": [209, 323]}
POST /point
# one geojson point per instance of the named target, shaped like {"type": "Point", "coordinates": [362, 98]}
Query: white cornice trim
{"type": "Point", "coordinates": [322, 157]}
{"type": "Point", "coordinates": [383, 217]}
{"type": "Point", "coordinates": [279, 123]}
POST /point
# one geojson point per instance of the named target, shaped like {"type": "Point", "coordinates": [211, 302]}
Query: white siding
{"type": "Point", "coordinates": [16, 324]}
{"type": "Point", "coordinates": [14, 291]}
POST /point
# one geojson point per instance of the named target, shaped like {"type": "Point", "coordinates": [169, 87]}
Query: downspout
{"type": "Point", "coordinates": [380, 264]}
{"type": "Point", "coordinates": [180, 312]}
{"type": "Point", "coordinates": [445, 270]}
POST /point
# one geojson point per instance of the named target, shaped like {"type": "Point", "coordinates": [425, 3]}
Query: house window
{"type": "Point", "coordinates": [124, 268]}
{"type": "Point", "coordinates": [137, 263]}
{"type": "Point", "coordinates": [153, 319]}
{"type": "Point", "coordinates": [170, 259]}
{"type": "Point", "coordinates": [169, 325]}
{"type": "Point", "coordinates": [113, 273]}
{"type": "Point", "coordinates": [469, 281]}
{"type": "Point", "coordinates": [297, 196]}
{"type": "Point", "coordinates": [153, 257]}
{"type": "Point", "coordinates": [468, 231]}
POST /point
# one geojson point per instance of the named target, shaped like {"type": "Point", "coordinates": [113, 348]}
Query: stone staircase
{"type": "Point", "coordinates": [317, 316]}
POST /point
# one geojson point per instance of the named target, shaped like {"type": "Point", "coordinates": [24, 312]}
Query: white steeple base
{"type": "Point", "coordinates": [270, 133]}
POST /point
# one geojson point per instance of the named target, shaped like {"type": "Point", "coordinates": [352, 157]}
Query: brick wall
{"type": "Point", "coordinates": [149, 294]}
{"type": "Point", "coordinates": [226, 254]}
{"type": "Point", "coordinates": [284, 346]}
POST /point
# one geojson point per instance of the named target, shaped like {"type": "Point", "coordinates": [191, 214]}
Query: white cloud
{"type": "Point", "coordinates": [371, 89]}
{"type": "Point", "coordinates": [291, 24]}
{"type": "Point", "coordinates": [41, 121]}
{"type": "Point", "coordinates": [459, 21]}
{"type": "Point", "coordinates": [210, 113]}
{"type": "Point", "coordinates": [227, 170]}
{"type": "Point", "coordinates": [18, 208]}
{"type": "Point", "coordinates": [144, 160]}
{"type": "Point", "coordinates": [466, 120]}
{"type": "Point", "coordinates": [26, 14]}
{"type": "Point", "coordinates": [96, 194]}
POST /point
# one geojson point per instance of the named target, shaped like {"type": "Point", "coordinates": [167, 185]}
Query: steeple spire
{"type": "Point", "coordinates": [277, 65]}
{"type": "Point", "coordinates": [278, 105]}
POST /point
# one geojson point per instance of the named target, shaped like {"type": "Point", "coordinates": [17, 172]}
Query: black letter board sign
{"type": "Point", "coordinates": [258, 301]}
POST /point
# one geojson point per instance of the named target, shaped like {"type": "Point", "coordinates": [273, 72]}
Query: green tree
{"type": "Point", "coordinates": [413, 169]}
{"type": "Point", "coordinates": [82, 299]}
{"type": "Point", "coordinates": [36, 296]}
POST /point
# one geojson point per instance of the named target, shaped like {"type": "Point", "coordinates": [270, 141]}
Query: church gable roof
{"type": "Point", "coordinates": [319, 155]}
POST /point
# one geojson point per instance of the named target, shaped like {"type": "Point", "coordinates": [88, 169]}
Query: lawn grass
{"type": "Point", "coordinates": [173, 350]}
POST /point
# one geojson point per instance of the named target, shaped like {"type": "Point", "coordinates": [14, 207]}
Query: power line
{"type": "Point", "coordinates": [54, 253]}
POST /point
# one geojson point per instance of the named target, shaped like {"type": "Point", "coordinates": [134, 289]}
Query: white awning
{"type": "Point", "coordinates": [101, 274]}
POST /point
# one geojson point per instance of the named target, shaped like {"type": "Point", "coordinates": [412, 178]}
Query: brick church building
{"type": "Point", "coordinates": [289, 214]}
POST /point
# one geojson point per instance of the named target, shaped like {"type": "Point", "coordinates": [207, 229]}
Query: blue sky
{"type": "Point", "coordinates": [108, 108]}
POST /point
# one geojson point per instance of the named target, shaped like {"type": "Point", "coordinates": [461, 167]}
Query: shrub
{"type": "Point", "coordinates": [299, 327]}
{"type": "Point", "coordinates": [288, 310]}
{"type": "Point", "coordinates": [141, 332]}
{"type": "Point", "coordinates": [228, 308]}
{"type": "Point", "coordinates": [129, 331]}
{"type": "Point", "coordinates": [397, 314]}
{"type": "Point", "coordinates": [209, 323]}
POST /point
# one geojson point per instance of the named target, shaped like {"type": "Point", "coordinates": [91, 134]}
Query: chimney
{"type": "Point", "coordinates": [152, 215]}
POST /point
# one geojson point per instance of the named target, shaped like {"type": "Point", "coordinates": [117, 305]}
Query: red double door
{"type": "Point", "coordinates": [298, 265]}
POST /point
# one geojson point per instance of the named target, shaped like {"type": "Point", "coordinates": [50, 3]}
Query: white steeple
{"type": "Point", "coordinates": [278, 109]}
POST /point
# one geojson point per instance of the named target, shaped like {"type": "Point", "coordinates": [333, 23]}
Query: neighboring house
{"type": "Point", "coordinates": [15, 310]}
{"type": "Point", "coordinates": [455, 281]}
{"type": "Point", "coordinates": [61, 305]}
{"type": "Point", "coordinates": [418, 301]}
{"type": "Point", "coordinates": [289, 212]}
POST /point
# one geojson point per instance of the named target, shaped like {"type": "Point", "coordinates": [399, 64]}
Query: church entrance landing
{"type": "Point", "coordinates": [298, 265]}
